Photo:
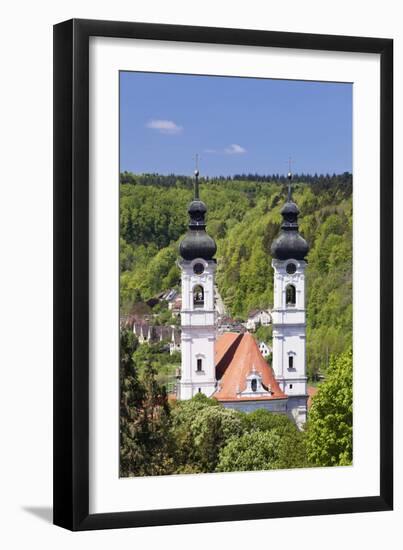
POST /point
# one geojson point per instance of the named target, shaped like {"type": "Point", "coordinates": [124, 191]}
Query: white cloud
{"type": "Point", "coordinates": [234, 149]}
{"type": "Point", "coordinates": [164, 126]}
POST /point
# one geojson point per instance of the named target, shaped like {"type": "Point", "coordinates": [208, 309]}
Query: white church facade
{"type": "Point", "coordinates": [230, 366]}
{"type": "Point", "coordinates": [289, 251]}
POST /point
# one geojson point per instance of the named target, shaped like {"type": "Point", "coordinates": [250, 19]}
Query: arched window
{"type": "Point", "coordinates": [290, 295]}
{"type": "Point", "coordinates": [290, 361]}
{"type": "Point", "coordinates": [198, 296]}
{"type": "Point", "coordinates": [199, 365]}
{"type": "Point", "coordinates": [254, 384]}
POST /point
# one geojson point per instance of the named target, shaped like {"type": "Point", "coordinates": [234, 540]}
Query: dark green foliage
{"type": "Point", "coordinates": [132, 425]}
{"type": "Point", "coordinates": [200, 427]}
{"type": "Point", "coordinates": [157, 418]}
{"type": "Point", "coordinates": [149, 215]}
{"type": "Point", "coordinates": [144, 417]}
{"type": "Point", "coordinates": [211, 429]}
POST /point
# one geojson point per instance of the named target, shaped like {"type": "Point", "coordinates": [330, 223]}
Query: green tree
{"type": "Point", "coordinates": [291, 452]}
{"type": "Point", "coordinates": [200, 427]}
{"type": "Point", "coordinates": [256, 450]}
{"type": "Point", "coordinates": [183, 414]}
{"type": "Point", "coordinates": [145, 445]}
{"type": "Point", "coordinates": [211, 429]}
{"type": "Point", "coordinates": [132, 425]}
{"type": "Point", "coordinates": [157, 418]}
{"type": "Point", "coordinates": [330, 424]}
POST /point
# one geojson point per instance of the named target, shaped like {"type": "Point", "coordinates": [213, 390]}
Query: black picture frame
{"type": "Point", "coordinates": [71, 274]}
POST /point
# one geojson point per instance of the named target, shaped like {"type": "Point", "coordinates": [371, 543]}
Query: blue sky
{"type": "Point", "coordinates": [236, 125]}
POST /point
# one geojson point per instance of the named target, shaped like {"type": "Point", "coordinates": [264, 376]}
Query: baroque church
{"type": "Point", "coordinates": [230, 366]}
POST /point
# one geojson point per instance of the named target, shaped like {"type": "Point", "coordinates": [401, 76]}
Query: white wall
{"type": "Point", "coordinates": [198, 331]}
{"type": "Point", "coordinates": [25, 290]}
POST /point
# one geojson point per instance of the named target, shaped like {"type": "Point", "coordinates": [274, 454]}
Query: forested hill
{"type": "Point", "coordinates": [244, 217]}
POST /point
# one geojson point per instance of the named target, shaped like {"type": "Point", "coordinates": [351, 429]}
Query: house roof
{"type": "Point", "coordinates": [225, 348]}
{"type": "Point", "coordinates": [254, 312]}
{"type": "Point", "coordinates": [236, 356]}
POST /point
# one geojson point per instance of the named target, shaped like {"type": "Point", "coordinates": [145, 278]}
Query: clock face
{"type": "Point", "coordinates": [198, 269]}
{"type": "Point", "coordinates": [291, 269]}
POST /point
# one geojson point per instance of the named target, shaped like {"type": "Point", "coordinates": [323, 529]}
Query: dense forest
{"type": "Point", "coordinates": [244, 217]}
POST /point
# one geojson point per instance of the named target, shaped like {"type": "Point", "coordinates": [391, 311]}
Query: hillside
{"type": "Point", "coordinates": [244, 217]}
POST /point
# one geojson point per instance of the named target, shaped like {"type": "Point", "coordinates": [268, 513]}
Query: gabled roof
{"type": "Point", "coordinates": [236, 356]}
{"type": "Point", "coordinates": [225, 347]}
{"type": "Point", "coordinates": [253, 312]}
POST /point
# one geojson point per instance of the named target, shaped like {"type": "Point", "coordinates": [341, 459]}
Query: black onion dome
{"type": "Point", "coordinates": [289, 244]}
{"type": "Point", "coordinates": [197, 206]}
{"type": "Point", "coordinates": [290, 208]}
{"type": "Point", "coordinates": [197, 243]}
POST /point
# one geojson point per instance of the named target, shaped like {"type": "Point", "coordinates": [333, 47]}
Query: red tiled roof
{"type": "Point", "coordinates": [225, 347]}
{"type": "Point", "coordinates": [238, 354]}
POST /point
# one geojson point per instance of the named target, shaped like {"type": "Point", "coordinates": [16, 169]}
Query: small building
{"type": "Point", "coordinates": [258, 317]}
{"type": "Point", "coordinates": [152, 334]}
{"type": "Point", "coordinates": [227, 324]}
{"type": "Point", "coordinates": [265, 349]}
{"type": "Point", "coordinates": [170, 296]}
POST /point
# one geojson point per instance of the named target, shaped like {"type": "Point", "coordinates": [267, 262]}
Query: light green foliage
{"type": "Point", "coordinates": [330, 425]}
{"type": "Point", "coordinates": [291, 452]}
{"type": "Point", "coordinates": [252, 451]}
{"type": "Point", "coordinates": [329, 297]}
{"type": "Point", "coordinates": [155, 355]}
{"type": "Point", "coordinates": [264, 333]}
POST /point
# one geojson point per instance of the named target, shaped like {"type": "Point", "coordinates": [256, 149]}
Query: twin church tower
{"type": "Point", "coordinates": [202, 356]}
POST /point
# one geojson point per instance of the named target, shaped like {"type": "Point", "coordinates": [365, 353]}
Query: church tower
{"type": "Point", "coordinates": [197, 267]}
{"type": "Point", "coordinates": [289, 251]}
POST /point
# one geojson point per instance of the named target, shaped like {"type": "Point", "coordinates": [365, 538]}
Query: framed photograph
{"type": "Point", "coordinates": [223, 293]}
